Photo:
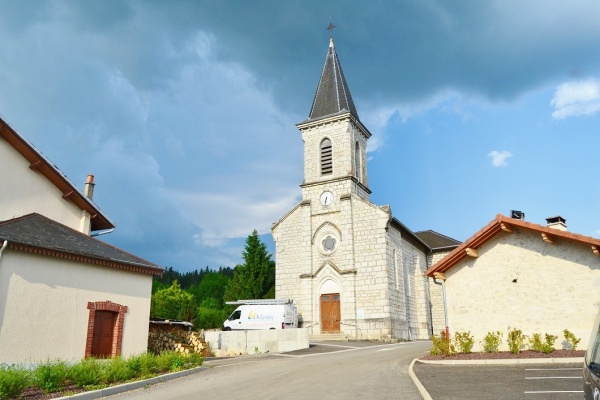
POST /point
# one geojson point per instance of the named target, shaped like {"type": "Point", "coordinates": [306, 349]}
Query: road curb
{"type": "Point", "coordinates": [424, 393]}
{"type": "Point", "coordinates": [507, 361]}
{"type": "Point", "coordinates": [125, 387]}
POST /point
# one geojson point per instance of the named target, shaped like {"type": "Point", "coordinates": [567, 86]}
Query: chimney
{"type": "Point", "coordinates": [557, 222]}
{"type": "Point", "coordinates": [517, 214]}
{"type": "Point", "coordinates": [88, 190]}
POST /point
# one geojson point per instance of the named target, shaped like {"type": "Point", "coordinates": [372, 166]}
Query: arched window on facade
{"type": "Point", "coordinates": [326, 157]}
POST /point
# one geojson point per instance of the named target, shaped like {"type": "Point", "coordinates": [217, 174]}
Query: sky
{"type": "Point", "coordinates": [185, 111]}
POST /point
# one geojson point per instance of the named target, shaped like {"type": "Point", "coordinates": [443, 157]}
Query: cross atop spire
{"type": "Point", "coordinates": [330, 28]}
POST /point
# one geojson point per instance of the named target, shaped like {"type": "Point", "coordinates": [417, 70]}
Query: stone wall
{"type": "Point", "coordinates": [521, 281]}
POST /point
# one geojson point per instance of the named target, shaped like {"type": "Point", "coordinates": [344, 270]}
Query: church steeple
{"type": "Point", "coordinates": [335, 141]}
{"type": "Point", "coordinates": [333, 95]}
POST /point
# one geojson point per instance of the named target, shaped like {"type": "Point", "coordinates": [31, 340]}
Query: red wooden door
{"type": "Point", "coordinates": [104, 329]}
{"type": "Point", "coordinates": [330, 313]}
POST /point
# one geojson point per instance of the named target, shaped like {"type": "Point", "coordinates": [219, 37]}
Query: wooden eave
{"type": "Point", "coordinates": [41, 164]}
{"type": "Point", "coordinates": [505, 224]}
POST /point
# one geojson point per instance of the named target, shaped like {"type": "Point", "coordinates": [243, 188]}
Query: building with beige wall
{"type": "Point", "coordinates": [63, 294]}
{"type": "Point", "coordinates": [514, 273]}
{"type": "Point", "coordinates": [352, 269]}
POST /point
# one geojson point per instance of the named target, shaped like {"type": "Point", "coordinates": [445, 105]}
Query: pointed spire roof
{"type": "Point", "coordinates": [333, 95]}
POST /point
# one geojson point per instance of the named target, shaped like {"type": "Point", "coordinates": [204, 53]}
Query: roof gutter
{"type": "Point", "coordinates": [3, 247]}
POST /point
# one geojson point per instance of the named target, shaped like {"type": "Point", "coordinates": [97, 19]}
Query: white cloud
{"type": "Point", "coordinates": [499, 157]}
{"type": "Point", "coordinates": [576, 98]}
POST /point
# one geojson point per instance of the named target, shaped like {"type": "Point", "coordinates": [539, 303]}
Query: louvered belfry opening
{"type": "Point", "coordinates": [326, 157]}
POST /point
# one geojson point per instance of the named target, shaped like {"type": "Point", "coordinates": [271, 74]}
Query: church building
{"type": "Point", "coordinates": [351, 268]}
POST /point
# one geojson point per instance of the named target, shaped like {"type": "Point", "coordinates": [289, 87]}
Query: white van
{"type": "Point", "coordinates": [591, 365]}
{"type": "Point", "coordinates": [262, 314]}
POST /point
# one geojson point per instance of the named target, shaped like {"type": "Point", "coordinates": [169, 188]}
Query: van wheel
{"type": "Point", "coordinates": [271, 328]}
{"type": "Point", "coordinates": [227, 329]}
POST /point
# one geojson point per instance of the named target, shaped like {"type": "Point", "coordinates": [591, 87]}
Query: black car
{"type": "Point", "coordinates": [591, 365]}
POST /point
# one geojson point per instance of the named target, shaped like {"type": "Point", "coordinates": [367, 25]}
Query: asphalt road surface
{"type": "Point", "coordinates": [328, 370]}
{"type": "Point", "coordinates": [487, 382]}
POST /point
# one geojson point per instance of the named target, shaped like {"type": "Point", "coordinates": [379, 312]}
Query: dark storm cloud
{"type": "Point", "coordinates": [401, 50]}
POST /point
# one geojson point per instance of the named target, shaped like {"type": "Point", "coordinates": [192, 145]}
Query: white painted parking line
{"type": "Point", "coordinates": [554, 391]}
{"type": "Point", "coordinates": [553, 377]}
{"type": "Point", "coordinates": [553, 369]}
{"type": "Point", "coordinates": [339, 345]}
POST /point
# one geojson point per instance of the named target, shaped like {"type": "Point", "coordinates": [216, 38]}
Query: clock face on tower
{"type": "Point", "coordinates": [326, 198]}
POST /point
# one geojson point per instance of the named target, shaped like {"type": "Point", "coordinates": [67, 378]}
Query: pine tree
{"type": "Point", "coordinates": [255, 279]}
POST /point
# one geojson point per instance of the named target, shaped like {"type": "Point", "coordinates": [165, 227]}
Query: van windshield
{"type": "Point", "coordinates": [236, 315]}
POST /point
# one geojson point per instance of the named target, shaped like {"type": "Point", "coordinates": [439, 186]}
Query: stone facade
{"type": "Point", "coordinates": [336, 245]}
{"type": "Point", "coordinates": [521, 281]}
{"type": "Point", "coordinates": [377, 273]}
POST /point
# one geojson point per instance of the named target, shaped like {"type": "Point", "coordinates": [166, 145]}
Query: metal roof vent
{"type": "Point", "coordinates": [517, 214]}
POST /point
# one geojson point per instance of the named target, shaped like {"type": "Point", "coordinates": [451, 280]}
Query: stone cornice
{"type": "Point", "coordinates": [340, 179]}
{"type": "Point", "coordinates": [338, 117]}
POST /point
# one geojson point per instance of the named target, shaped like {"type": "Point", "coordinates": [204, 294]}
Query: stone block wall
{"type": "Point", "coordinates": [521, 281]}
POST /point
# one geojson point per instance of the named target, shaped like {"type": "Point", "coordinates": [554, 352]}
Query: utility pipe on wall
{"type": "Point", "coordinates": [443, 279]}
{"type": "Point", "coordinates": [3, 247]}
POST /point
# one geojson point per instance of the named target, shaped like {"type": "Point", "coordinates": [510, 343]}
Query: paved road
{"type": "Point", "coordinates": [329, 370]}
{"type": "Point", "coordinates": [486, 382]}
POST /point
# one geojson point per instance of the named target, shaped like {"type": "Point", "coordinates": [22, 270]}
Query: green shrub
{"type": "Point", "coordinates": [442, 345]}
{"type": "Point", "coordinates": [134, 365]}
{"type": "Point", "coordinates": [13, 380]}
{"type": "Point", "coordinates": [535, 342]}
{"type": "Point", "coordinates": [464, 341]}
{"type": "Point", "coordinates": [149, 364]}
{"type": "Point", "coordinates": [51, 376]}
{"type": "Point", "coordinates": [169, 360]}
{"type": "Point", "coordinates": [89, 372]}
{"type": "Point", "coordinates": [571, 340]}
{"type": "Point", "coordinates": [516, 340]}
{"type": "Point", "coordinates": [546, 346]}
{"type": "Point", "coordinates": [193, 360]}
{"type": "Point", "coordinates": [492, 341]}
{"type": "Point", "coordinates": [117, 370]}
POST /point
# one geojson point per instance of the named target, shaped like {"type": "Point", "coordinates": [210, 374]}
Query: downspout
{"type": "Point", "coordinates": [1, 250]}
{"type": "Point", "coordinates": [428, 260]}
{"type": "Point", "coordinates": [3, 247]}
{"type": "Point", "coordinates": [445, 305]}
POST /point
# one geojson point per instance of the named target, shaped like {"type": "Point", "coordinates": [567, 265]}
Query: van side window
{"type": "Point", "coordinates": [236, 315]}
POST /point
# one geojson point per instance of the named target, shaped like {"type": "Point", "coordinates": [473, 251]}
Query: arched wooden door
{"type": "Point", "coordinates": [330, 313]}
{"type": "Point", "coordinates": [104, 332]}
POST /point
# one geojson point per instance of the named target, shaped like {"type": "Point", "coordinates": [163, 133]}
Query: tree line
{"type": "Point", "coordinates": [200, 296]}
